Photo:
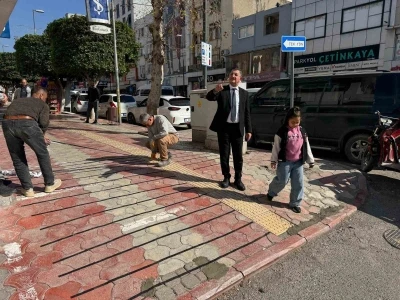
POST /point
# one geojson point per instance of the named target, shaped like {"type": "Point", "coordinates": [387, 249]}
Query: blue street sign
{"type": "Point", "coordinates": [6, 31]}
{"type": "Point", "coordinates": [98, 11]}
{"type": "Point", "coordinates": [293, 43]}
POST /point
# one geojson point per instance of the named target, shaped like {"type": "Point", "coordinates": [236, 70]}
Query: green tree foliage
{"type": "Point", "coordinates": [77, 52]}
{"type": "Point", "coordinates": [33, 56]}
{"type": "Point", "coordinates": [8, 69]}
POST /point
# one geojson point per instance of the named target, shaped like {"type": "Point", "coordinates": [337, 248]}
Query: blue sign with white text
{"type": "Point", "coordinates": [98, 11]}
{"type": "Point", "coordinates": [6, 31]}
{"type": "Point", "coordinates": [293, 43]}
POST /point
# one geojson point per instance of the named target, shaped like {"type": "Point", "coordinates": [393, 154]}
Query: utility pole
{"type": "Point", "coordinates": [205, 38]}
{"type": "Point", "coordinates": [116, 63]}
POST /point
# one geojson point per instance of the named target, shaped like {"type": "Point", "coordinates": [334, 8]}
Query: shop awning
{"type": "Point", "coordinates": [6, 8]}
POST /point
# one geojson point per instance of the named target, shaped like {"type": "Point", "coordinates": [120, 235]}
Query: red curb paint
{"type": "Point", "coordinates": [211, 288]}
{"type": "Point", "coordinates": [263, 258]}
{"type": "Point", "coordinates": [314, 231]}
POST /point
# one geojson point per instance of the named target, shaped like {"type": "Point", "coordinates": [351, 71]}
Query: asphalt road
{"type": "Point", "coordinates": [353, 261]}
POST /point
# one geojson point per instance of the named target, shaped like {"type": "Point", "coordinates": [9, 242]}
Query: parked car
{"type": "Point", "coordinates": [110, 100]}
{"type": "Point", "coordinates": [337, 110]}
{"type": "Point", "coordinates": [80, 103]}
{"type": "Point", "coordinates": [143, 92]}
{"type": "Point", "coordinates": [175, 108]}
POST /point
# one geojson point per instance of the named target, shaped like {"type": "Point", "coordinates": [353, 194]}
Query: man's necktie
{"type": "Point", "coordinates": [233, 105]}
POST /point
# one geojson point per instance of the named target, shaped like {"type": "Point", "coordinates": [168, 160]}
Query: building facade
{"type": "Point", "coordinates": [345, 35]}
{"type": "Point", "coordinates": [256, 47]}
{"type": "Point", "coordinates": [221, 15]}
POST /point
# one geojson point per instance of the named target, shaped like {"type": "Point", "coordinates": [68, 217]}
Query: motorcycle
{"type": "Point", "coordinates": [383, 145]}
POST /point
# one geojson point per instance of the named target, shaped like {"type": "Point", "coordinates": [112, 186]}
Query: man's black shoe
{"type": "Point", "coordinates": [295, 209]}
{"type": "Point", "coordinates": [95, 122]}
{"type": "Point", "coordinates": [86, 121]}
{"type": "Point", "coordinates": [225, 183]}
{"type": "Point", "coordinates": [239, 185]}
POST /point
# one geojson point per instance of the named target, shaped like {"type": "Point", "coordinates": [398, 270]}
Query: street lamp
{"type": "Point", "coordinates": [183, 70]}
{"type": "Point", "coordinates": [40, 11]}
{"type": "Point", "coordinates": [4, 46]}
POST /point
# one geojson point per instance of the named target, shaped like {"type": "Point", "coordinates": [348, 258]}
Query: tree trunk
{"type": "Point", "coordinates": [157, 58]}
{"type": "Point", "coordinates": [60, 93]}
{"type": "Point", "coordinates": [67, 96]}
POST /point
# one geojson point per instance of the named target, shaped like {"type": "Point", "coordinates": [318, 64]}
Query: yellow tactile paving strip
{"type": "Point", "coordinates": [254, 211]}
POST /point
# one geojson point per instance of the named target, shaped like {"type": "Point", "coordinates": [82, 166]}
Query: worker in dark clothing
{"type": "Point", "coordinates": [25, 122]}
{"type": "Point", "coordinates": [93, 97]}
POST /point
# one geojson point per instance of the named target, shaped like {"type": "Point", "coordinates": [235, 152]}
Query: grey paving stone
{"type": "Point", "coordinates": [179, 289]}
{"type": "Point", "coordinates": [144, 239]}
{"type": "Point", "coordinates": [201, 276]}
{"type": "Point", "coordinates": [157, 253]}
{"type": "Point", "coordinates": [170, 265]}
{"type": "Point", "coordinates": [190, 281]}
{"type": "Point", "coordinates": [173, 241]}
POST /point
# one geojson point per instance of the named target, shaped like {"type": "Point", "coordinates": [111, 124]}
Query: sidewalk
{"type": "Point", "coordinates": [121, 228]}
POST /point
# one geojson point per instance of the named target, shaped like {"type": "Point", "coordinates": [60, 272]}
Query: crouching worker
{"type": "Point", "coordinates": [162, 135]}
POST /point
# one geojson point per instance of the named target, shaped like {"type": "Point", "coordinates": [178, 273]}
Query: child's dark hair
{"type": "Point", "coordinates": [294, 112]}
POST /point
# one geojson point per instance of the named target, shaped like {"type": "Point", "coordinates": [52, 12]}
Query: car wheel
{"type": "Point", "coordinates": [189, 126]}
{"type": "Point", "coordinates": [74, 110]}
{"type": "Point", "coordinates": [131, 119]}
{"type": "Point", "coordinates": [355, 147]}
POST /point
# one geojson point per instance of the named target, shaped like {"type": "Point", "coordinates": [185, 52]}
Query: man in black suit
{"type": "Point", "coordinates": [231, 121]}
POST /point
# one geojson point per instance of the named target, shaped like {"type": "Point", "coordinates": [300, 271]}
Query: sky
{"type": "Point", "coordinates": [21, 19]}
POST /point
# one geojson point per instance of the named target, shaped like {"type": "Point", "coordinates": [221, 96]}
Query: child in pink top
{"type": "Point", "coordinates": [291, 150]}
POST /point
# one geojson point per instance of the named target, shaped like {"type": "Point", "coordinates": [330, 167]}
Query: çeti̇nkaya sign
{"type": "Point", "coordinates": [338, 57]}
{"type": "Point", "coordinates": [98, 11]}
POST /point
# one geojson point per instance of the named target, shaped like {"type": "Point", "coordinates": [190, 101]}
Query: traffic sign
{"type": "Point", "coordinates": [206, 54]}
{"type": "Point", "coordinates": [293, 43]}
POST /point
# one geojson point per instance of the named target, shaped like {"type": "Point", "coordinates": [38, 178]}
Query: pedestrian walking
{"type": "Point", "coordinates": [161, 135]}
{"type": "Point", "coordinates": [93, 98]}
{"type": "Point", "coordinates": [290, 152]}
{"type": "Point", "coordinates": [25, 122]}
{"type": "Point", "coordinates": [231, 121]}
{"type": "Point", "coordinates": [24, 91]}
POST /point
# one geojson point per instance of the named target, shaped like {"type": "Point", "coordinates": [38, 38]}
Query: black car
{"type": "Point", "coordinates": [337, 110]}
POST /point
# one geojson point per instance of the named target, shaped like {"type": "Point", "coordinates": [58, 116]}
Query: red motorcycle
{"type": "Point", "coordinates": [383, 149]}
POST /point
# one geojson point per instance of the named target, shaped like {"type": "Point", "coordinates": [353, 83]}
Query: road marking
{"type": "Point", "coordinates": [152, 219]}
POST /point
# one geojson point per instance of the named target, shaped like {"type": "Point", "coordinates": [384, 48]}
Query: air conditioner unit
{"type": "Point", "coordinates": [225, 52]}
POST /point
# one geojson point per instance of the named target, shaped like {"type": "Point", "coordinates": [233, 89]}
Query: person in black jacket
{"type": "Point", "coordinates": [231, 122]}
{"type": "Point", "coordinates": [93, 97]}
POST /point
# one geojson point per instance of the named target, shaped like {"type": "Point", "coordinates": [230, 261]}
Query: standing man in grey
{"type": "Point", "coordinates": [231, 122]}
{"type": "Point", "coordinates": [161, 136]}
{"type": "Point", "coordinates": [24, 91]}
{"type": "Point", "coordinates": [25, 122]}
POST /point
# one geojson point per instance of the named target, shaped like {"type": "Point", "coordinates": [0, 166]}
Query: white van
{"type": "Point", "coordinates": [143, 92]}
